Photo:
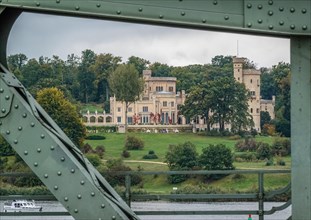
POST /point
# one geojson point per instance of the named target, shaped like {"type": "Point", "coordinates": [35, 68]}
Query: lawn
{"type": "Point", "coordinates": [114, 143]}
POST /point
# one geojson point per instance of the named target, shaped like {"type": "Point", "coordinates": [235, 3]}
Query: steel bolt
{"type": "Point", "coordinates": [281, 22]}
{"type": "Point", "coordinates": [92, 194]}
{"type": "Point", "coordinates": [259, 21]}
{"type": "Point", "coordinates": [102, 206]}
{"type": "Point", "coordinates": [57, 1]}
{"type": "Point", "coordinates": [292, 27]}
{"type": "Point", "coordinates": [304, 27]}
{"type": "Point", "coordinates": [32, 124]}
{"type": "Point", "coordinates": [270, 13]}
{"type": "Point", "coordinates": [249, 24]}
{"type": "Point", "coordinates": [270, 27]}
{"type": "Point", "coordinates": [204, 20]}
{"type": "Point", "coordinates": [140, 9]}
{"type": "Point", "coordinates": [25, 152]}
{"type": "Point", "coordinates": [1, 90]}
{"type": "Point", "coordinates": [161, 16]}
{"type": "Point", "coordinates": [226, 17]}
{"type": "Point", "coordinates": [304, 11]}
{"type": "Point", "coordinates": [215, 2]}
{"type": "Point", "coordinates": [15, 141]}
{"type": "Point", "coordinates": [46, 176]}
{"type": "Point", "coordinates": [59, 173]}
{"type": "Point", "coordinates": [118, 12]}
{"type": "Point", "coordinates": [259, 7]}
{"type": "Point", "coordinates": [20, 128]}
{"type": "Point", "coordinates": [292, 10]}
{"type": "Point", "coordinates": [62, 159]}
{"type": "Point", "coordinates": [98, 5]}
{"type": "Point", "coordinates": [38, 4]}
{"type": "Point", "coordinates": [72, 170]}
{"type": "Point", "coordinates": [56, 187]}
{"type": "Point", "coordinates": [42, 136]}
{"type": "Point", "coordinates": [281, 9]}
{"type": "Point", "coordinates": [7, 132]}
{"type": "Point", "coordinates": [249, 5]}
{"type": "Point", "coordinates": [113, 217]}
{"type": "Point", "coordinates": [3, 110]}
{"type": "Point", "coordinates": [183, 13]}
{"type": "Point", "coordinates": [82, 182]}
{"type": "Point", "coordinates": [39, 150]}
{"type": "Point", "coordinates": [24, 115]}
{"type": "Point", "coordinates": [77, 8]}
{"type": "Point", "coordinates": [7, 97]}
{"type": "Point", "coordinates": [16, 106]}
{"type": "Point", "coordinates": [76, 210]}
{"type": "Point", "coordinates": [52, 148]}
{"type": "Point", "coordinates": [79, 196]}
{"type": "Point", "coordinates": [66, 199]}
{"type": "Point", "coordinates": [35, 164]}
{"type": "Point", "coordinates": [270, 2]}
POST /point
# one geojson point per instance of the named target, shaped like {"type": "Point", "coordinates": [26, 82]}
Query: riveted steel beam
{"type": "Point", "coordinates": [54, 158]}
{"type": "Point", "coordinates": [301, 127]}
{"type": "Point", "coordinates": [268, 17]}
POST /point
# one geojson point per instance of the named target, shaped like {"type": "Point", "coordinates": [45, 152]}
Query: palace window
{"type": "Point", "coordinates": [130, 109]}
{"type": "Point", "coordinates": [145, 108]}
{"type": "Point", "coordinates": [164, 103]}
{"type": "Point", "coordinates": [171, 89]}
{"type": "Point", "coordinates": [159, 88]}
{"type": "Point", "coordinates": [172, 104]}
{"type": "Point", "coordinates": [119, 119]}
{"type": "Point", "coordinates": [251, 110]}
{"type": "Point", "coordinates": [119, 109]}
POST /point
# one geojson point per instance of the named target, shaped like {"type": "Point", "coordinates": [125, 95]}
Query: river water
{"type": "Point", "coordinates": [169, 206]}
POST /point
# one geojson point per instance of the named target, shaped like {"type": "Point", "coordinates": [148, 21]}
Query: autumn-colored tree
{"type": "Point", "coordinates": [63, 113]}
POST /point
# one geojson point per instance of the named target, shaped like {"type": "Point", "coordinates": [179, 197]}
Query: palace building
{"type": "Point", "coordinates": [159, 103]}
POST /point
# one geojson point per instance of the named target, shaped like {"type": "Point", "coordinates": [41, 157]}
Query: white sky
{"type": "Point", "coordinates": [38, 35]}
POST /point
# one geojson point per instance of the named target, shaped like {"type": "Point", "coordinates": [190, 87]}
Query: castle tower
{"type": "Point", "coordinates": [251, 80]}
{"type": "Point", "coordinates": [238, 68]}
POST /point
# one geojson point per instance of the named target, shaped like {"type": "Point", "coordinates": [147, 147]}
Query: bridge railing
{"type": "Point", "coordinates": [260, 195]}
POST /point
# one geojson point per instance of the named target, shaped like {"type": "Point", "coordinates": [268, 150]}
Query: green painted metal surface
{"type": "Point", "coordinates": [301, 127]}
{"type": "Point", "coordinates": [54, 158]}
{"type": "Point", "coordinates": [275, 17]}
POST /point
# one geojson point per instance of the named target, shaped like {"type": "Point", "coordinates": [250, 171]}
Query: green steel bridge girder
{"type": "Point", "coordinates": [54, 158]}
{"type": "Point", "coordinates": [267, 17]}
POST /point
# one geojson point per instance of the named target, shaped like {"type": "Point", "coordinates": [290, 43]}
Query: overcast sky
{"type": "Point", "coordinates": [46, 35]}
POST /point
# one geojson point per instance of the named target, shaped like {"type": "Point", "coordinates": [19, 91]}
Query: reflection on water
{"type": "Point", "coordinates": [49, 206]}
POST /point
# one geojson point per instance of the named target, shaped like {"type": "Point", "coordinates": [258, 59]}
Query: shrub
{"type": "Point", "coordinates": [100, 150]}
{"type": "Point", "coordinates": [281, 147]}
{"type": "Point", "coordinates": [86, 148]}
{"type": "Point", "coordinates": [216, 157]}
{"type": "Point", "coordinates": [125, 154]}
{"type": "Point", "coordinates": [248, 144]}
{"type": "Point", "coordinates": [115, 165]}
{"type": "Point", "coordinates": [270, 162]}
{"type": "Point", "coordinates": [245, 156]}
{"type": "Point", "coordinates": [95, 137]}
{"type": "Point", "coordinates": [150, 155]}
{"type": "Point", "coordinates": [264, 151]}
{"type": "Point", "coordinates": [133, 143]}
{"type": "Point", "coordinates": [181, 157]}
{"type": "Point", "coordinates": [94, 159]}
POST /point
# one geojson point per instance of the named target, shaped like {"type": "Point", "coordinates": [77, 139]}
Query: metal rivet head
{"type": "Point", "coordinates": [57, 1]}
{"type": "Point", "coordinates": [259, 7]}
{"type": "Point", "coordinates": [15, 141]}
{"type": "Point", "coordinates": [281, 22]}
{"type": "Point", "coordinates": [102, 206]}
{"type": "Point", "coordinates": [7, 97]}
{"type": "Point", "coordinates": [38, 4]}
{"type": "Point", "coordinates": [249, 5]}
{"type": "Point", "coordinates": [270, 2]}
{"type": "Point", "coordinates": [79, 196]}
{"type": "Point", "coordinates": [46, 176]}
{"type": "Point", "coordinates": [24, 115]}
{"type": "Point", "coordinates": [113, 217]}
{"type": "Point", "coordinates": [98, 5]}
{"type": "Point", "coordinates": [215, 2]}
{"type": "Point", "coordinates": [226, 17]}
{"type": "Point", "coordinates": [52, 147]}
{"type": "Point", "coordinates": [270, 27]}
{"type": "Point", "coordinates": [204, 20]}
{"type": "Point", "coordinates": [118, 12]}
{"type": "Point", "coordinates": [56, 187]}
{"type": "Point", "coordinates": [25, 152]}
{"type": "Point", "coordinates": [249, 24]}
{"type": "Point", "coordinates": [1, 90]}
{"type": "Point", "coordinates": [39, 150]}
{"type": "Point", "coordinates": [42, 136]}
{"type": "Point", "coordinates": [304, 27]}
{"type": "Point", "coordinates": [72, 170]}
{"type": "Point", "coordinates": [62, 159]}
{"type": "Point", "coordinates": [292, 10]}
{"type": "Point", "coordinates": [304, 11]}
{"type": "Point", "coordinates": [3, 110]}
{"type": "Point", "coordinates": [77, 8]}
{"type": "Point", "coordinates": [59, 173]}
{"type": "Point", "coordinates": [66, 199]}
{"type": "Point", "coordinates": [270, 13]}
{"type": "Point", "coordinates": [32, 124]}
{"type": "Point", "coordinates": [7, 132]}
{"type": "Point", "coordinates": [16, 106]}
{"type": "Point", "coordinates": [281, 9]}
{"type": "Point", "coordinates": [82, 182]}
{"type": "Point", "coordinates": [161, 16]}
{"type": "Point", "coordinates": [35, 164]}
{"type": "Point", "coordinates": [140, 9]}
{"type": "Point", "coordinates": [259, 21]}
{"type": "Point", "coordinates": [292, 27]}
{"type": "Point", "coordinates": [76, 210]}
{"type": "Point", "coordinates": [183, 13]}
{"type": "Point", "coordinates": [20, 128]}
{"type": "Point", "coordinates": [92, 194]}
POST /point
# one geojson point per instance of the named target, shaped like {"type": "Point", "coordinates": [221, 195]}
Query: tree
{"type": "Point", "coordinates": [216, 157]}
{"type": "Point", "coordinates": [181, 157]}
{"type": "Point", "coordinates": [126, 85]}
{"type": "Point", "coordinates": [139, 63]}
{"type": "Point", "coordinates": [86, 76]}
{"type": "Point", "coordinates": [265, 118]}
{"type": "Point", "coordinates": [63, 113]}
